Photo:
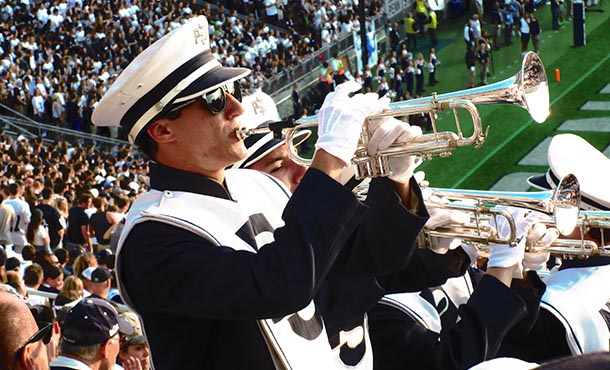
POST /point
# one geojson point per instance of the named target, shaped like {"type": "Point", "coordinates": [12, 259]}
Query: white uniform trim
{"type": "Point", "coordinates": [416, 307]}
{"type": "Point", "coordinates": [575, 297]}
{"type": "Point", "coordinates": [217, 220]}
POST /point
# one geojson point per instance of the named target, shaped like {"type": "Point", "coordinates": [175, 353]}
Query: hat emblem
{"type": "Point", "coordinates": [201, 35]}
{"type": "Point", "coordinates": [112, 332]}
{"type": "Point", "coordinates": [258, 107]}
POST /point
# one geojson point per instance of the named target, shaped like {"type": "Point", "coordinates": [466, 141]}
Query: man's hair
{"type": "Point", "coordinates": [84, 197]}
{"type": "Point", "coordinates": [61, 254]}
{"type": "Point", "coordinates": [13, 188]}
{"type": "Point", "coordinates": [28, 252]}
{"type": "Point", "coordinates": [121, 202]}
{"type": "Point", "coordinates": [46, 193]}
{"type": "Point", "coordinates": [80, 352]}
{"type": "Point", "coordinates": [52, 272]}
{"type": "Point", "coordinates": [32, 274]}
{"type": "Point", "coordinates": [97, 202]}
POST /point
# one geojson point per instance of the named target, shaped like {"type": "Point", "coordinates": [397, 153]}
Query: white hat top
{"type": "Point", "coordinates": [176, 68]}
{"type": "Point", "coordinates": [571, 154]}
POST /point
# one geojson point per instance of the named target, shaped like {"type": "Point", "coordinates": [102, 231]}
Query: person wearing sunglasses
{"type": "Point", "coordinates": [22, 343]}
{"type": "Point", "coordinates": [230, 254]}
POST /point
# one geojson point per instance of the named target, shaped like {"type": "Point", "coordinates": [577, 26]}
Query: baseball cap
{"type": "Point", "coordinates": [259, 111]}
{"type": "Point", "coordinates": [97, 274]}
{"type": "Point", "coordinates": [175, 69]}
{"type": "Point", "coordinates": [571, 154]}
{"type": "Point", "coordinates": [136, 337]}
{"type": "Point", "coordinates": [93, 321]}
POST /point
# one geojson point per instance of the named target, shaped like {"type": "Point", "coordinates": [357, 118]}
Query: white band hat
{"type": "Point", "coordinates": [571, 154]}
{"type": "Point", "coordinates": [175, 69]}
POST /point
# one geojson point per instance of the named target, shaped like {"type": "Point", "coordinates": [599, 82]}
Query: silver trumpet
{"type": "Point", "coordinates": [527, 89]}
{"type": "Point", "coordinates": [580, 246]}
{"type": "Point", "coordinates": [560, 205]}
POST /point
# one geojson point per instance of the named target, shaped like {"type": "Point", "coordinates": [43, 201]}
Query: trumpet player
{"type": "Point", "coordinates": [464, 321]}
{"type": "Point", "coordinates": [237, 258]}
{"type": "Point", "coordinates": [347, 330]}
{"type": "Point", "coordinates": [574, 317]}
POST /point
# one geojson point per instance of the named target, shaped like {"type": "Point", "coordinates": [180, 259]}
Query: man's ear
{"type": "Point", "coordinates": [25, 360]}
{"type": "Point", "coordinates": [160, 131]}
{"type": "Point", "coordinates": [104, 348]}
{"type": "Point", "coordinates": [56, 328]}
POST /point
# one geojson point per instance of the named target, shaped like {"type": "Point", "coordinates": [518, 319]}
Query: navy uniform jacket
{"type": "Point", "coordinates": [199, 302]}
{"type": "Point", "coordinates": [546, 340]}
{"type": "Point", "coordinates": [491, 312]}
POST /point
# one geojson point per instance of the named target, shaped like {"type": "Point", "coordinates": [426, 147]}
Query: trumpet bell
{"type": "Point", "coordinates": [527, 89]}
{"type": "Point", "coordinates": [535, 87]}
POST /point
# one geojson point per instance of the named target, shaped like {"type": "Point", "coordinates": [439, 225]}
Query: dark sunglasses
{"type": "Point", "coordinates": [44, 334]}
{"type": "Point", "coordinates": [216, 100]}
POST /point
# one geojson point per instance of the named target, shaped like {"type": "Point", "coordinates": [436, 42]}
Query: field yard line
{"type": "Point", "coordinates": [511, 137]}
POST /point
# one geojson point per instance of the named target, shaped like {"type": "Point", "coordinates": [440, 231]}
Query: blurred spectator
{"type": "Point", "coordinates": [37, 233]}
{"type": "Point", "coordinates": [79, 231]}
{"type": "Point", "coordinates": [21, 341]}
{"type": "Point", "coordinates": [53, 279]}
{"type": "Point", "coordinates": [22, 214]}
{"type": "Point", "coordinates": [33, 278]}
{"type": "Point", "coordinates": [411, 31]}
{"type": "Point", "coordinates": [134, 345]}
{"type": "Point", "coordinates": [82, 262]}
{"type": "Point", "coordinates": [90, 336]}
{"type": "Point", "coordinates": [101, 221]}
{"type": "Point", "coordinates": [432, 27]}
{"type": "Point", "coordinates": [72, 289]}
{"type": "Point", "coordinates": [535, 32]}
{"type": "Point", "coordinates": [394, 37]}
{"type": "Point", "coordinates": [97, 281]}
{"type": "Point", "coordinates": [51, 217]}
{"type": "Point", "coordinates": [7, 218]}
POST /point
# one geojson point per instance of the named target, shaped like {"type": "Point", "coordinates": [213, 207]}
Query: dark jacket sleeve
{"type": "Point", "coordinates": [390, 230]}
{"type": "Point", "coordinates": [399, 341]}
{"type": "Point", "coordinates": [540, 336]}
{"type": "Point", "coordinates": [191, 278]}
{"type": "Point", "coordinates": [383, 258]}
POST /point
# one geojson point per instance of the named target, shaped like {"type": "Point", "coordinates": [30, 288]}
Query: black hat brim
{"type": "Point", "coordinates": [214, 78]}
{"type": "Point", "coordinates": [539, 182]}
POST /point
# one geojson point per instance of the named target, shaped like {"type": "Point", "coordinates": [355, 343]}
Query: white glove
{"type": "Point", "coordinates": [386, 131]}
{"type": "Point", "coordinates": [542, 237]}
{"type": "Point", "coordinates": [420, 178]}
{"type": "Point", "coordinates": [341, 119]}
{"type": "Point", "coordinates": [528, 232]}
{"type": "Point", "coordinates": [441, 217]}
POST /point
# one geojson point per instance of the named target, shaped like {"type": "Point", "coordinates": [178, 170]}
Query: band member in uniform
{"type": "Point", "coordinates": [464, 321]}
{"type": "Point", "coordinates": [227, 254]}
{"type": "Point", "coordinates": [575, 316]}
{"type": "Point", "coordinates": [347, 335]}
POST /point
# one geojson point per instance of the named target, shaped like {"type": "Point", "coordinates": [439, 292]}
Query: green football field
{"type": "Point", "coordinates": [584, 70]}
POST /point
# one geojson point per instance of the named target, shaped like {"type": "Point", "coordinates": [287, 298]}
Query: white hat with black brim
{"type": "Point", "coordinates": [260, 110]}
{"type": "Point", "coordinates": [571, 154]}
{"type": "Point", "coordinates": [174, 70]}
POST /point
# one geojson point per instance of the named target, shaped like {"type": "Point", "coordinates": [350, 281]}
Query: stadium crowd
{"type": "Point", "coordinates": [58, 58]}
{"type": "Point", "coordinates": [62, 207]}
